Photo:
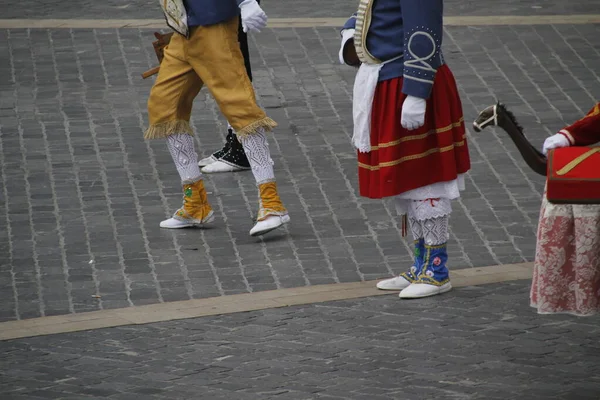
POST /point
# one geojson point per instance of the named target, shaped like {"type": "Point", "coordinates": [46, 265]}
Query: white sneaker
{"type": "Point", "coordinates": [207, 161]}
{"type": "Point", "coordinates": [396, 283]}
{"type": "Point", "coordinates": [174, 223]}
{"type": "Point", "coordinates": [220, 166]}
{"type": "Point", "coordinates": [419, 290]}
{"type": "Point", "coordinates": [268, 224]}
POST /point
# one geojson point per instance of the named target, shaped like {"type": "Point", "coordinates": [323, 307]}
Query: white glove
{"type": "Point", "coordinates": [253, 17]}
{"type": "Point", "coordinates": [347, 34]}
{"type": "Point", "coordinates": [413, 113]}
{"type": "Point", "coordinates": [555, 141]}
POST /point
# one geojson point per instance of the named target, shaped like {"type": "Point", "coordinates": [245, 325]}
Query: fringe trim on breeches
{"type": "Point", "coordinates": [164, 129]}
{"type": "Point", "coordinates": [265, 124]}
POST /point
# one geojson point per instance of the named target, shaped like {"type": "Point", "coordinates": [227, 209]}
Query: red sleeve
{"type": "Point", "coordinates": [586, 131]}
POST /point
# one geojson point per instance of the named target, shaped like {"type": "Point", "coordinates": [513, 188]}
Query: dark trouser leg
{"type": "Point", "coordinates": [243, 39]}
{"type": "Point", "coordinates": [233, 152]}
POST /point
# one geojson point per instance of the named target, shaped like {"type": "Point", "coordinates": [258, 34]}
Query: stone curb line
{"type": "Point", "coordinates": [238, 303]}
{"type": "Point", "coordinates": [296, 22]}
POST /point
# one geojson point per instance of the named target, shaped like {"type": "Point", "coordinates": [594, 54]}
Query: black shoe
{"type": "Point", "coordinates": [236, 155]}
{"type": "Point", "coordinates": [232, 161]}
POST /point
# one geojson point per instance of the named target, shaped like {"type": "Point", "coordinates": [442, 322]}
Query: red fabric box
{"type": "Point", "coordinates": [574, 175]}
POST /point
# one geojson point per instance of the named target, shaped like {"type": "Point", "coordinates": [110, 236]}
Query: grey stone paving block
{"type": "Point", "coordinates": [368, 348]}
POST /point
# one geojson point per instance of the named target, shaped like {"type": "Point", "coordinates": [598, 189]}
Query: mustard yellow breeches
{"type": "Point", "coordinates": [210, 57]}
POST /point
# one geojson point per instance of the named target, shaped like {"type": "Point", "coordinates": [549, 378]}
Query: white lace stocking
{"type": "Point", "coordinates": [256, 147]}
{"type": "Point", "coordinates": [435, 231]}
{"type": "Point", "coordinates": [185, 157]}
{"type": "Point", "coordinates": [432, 216]}
{"type": "Point", "coordinates": [415, 228]}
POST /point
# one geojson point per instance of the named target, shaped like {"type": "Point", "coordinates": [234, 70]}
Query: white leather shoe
{"type": "Point", "coordinates": [207, 161]}
{"type": "Point", "coordinates": [220, 166]}
{"type": "Point", "coordinates": [396, 283]}
{"type": "Point", "coordinates": [268, 224]}
{"type": "Point", "coordinates": [419, 290]}
{"type": "Point", "coordinates": [174, 223]}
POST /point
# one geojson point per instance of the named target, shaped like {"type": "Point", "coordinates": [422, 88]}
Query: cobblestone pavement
{"type": "Point", "coordinates": [473, 343]}
{"type": "Point", "coordinates": [141, 9]}
{"type": "Point", "coordinates": [82, 194]}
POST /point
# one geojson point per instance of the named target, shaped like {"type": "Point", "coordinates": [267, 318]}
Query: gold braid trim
{"type": "Point", "coordinates": [162, 130]}
{"type": "Point", "coordinates": [569, 167]}
{"type": "Point", "coordinates": [401, 160]}
{"type": "Point", "coordinates": [361, 29]}
{"type": "Point", "coordinates": [445, 129]}
{"type": "Point", "coordinates": [265, 123]}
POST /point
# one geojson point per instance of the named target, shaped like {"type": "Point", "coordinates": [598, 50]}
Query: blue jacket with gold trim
{"type": "Point", "coordinates": [412, 28]}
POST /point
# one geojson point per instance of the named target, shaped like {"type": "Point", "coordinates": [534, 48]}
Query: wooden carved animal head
{"type": "Point", "coordinates": [498, 115]}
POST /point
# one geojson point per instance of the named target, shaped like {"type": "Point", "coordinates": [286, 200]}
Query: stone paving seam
{"type": "Point", "coordinates": [70, 149]}
{"type": "Point", "coordinates": [289, 175]}
{"type": "Point", "coordinates": [64, 121]}
{"type": "Point", "coordinates": [104, 178]}
{"type": "Point", "coordinates": [8, 228]}
{"type": "Point", "coordinates": [140, 265]}
{"type": "Point", "coordinates": [474, 145]}
{"type": "Point", "coordinates": [306, 152]}
{"type": "Point", "coordinates": [508, 152]}
{"type": "Point", "coordinates": [134, 192]}
{"type": "Point", "coordinates": [28, 190]}
{"type": "Point", "coordinates": [580, 59]}
{"type": "Point", "coordinates": [582, 37]}
{"type": "Point", "coordinates": [565, 67]}
{"type": "Point", "coordinates": [27, 187]}
{"type": "Point", "coordinates": [307, 95]}
{"type": "Point", "coordinates": [51, 179]}
{"type": "Point", "coordinates": [240, 303]}
{"type": "Point", "coordinates": [533, 78]}
{"type": "Point", "coordinates": [335, 156]}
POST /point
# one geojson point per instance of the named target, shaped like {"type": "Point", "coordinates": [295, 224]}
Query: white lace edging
{"type": "Point", "coordinates": [442, 190]}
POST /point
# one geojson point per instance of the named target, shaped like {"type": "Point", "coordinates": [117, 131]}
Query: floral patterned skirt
{"type": "Point", "coordinates": [566, 275]}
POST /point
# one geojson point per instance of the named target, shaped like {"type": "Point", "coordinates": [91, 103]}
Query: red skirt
{"type": "Point", "coordinates": [401, 160]}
